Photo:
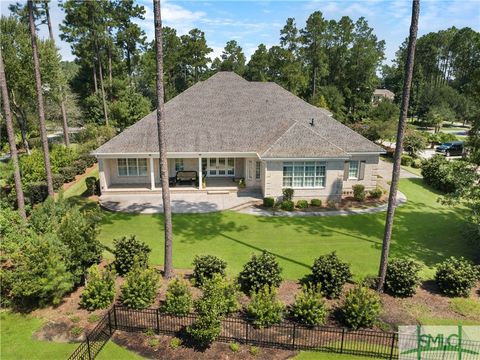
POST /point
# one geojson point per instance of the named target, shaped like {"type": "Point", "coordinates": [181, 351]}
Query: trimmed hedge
{"type": "Point", "coordinates": [127, 251]}
{"type": "Point", "coordinates": [316, 202]}
{"type": "Point", "coordinates": [287, 205]}
{"type": "Point", "coordinates": [37, 192]}
{"type": "Point", "coordinates": [330, 273]}
{"type": "Point", "coordinates": [268, 202]}
{"type": "Point", "coordinates": [358, 192]}
{"type": "Point", "coordinates": [261, 270]}
{"type": "Point", "coordinates": [302, 204]}
{"type": "Point", "coordinates": [456, 276]}
{"type": "Point", "coordinates": [402, 277]}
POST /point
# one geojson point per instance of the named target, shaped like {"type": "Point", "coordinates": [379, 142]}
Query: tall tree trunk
{"type": "Point", "coordinates": [94, 71]}
{"type": "Point", "coordinates": [66, 137]}
{"type": "Point", "coordinates": [11, 140]}
{"type": "Point", "coordinates": [22, 124]}
{"type": "Point", "coordinates": [41, 112]}
{"type": "Point", "coordinates": [167, 211]}
{"type": "Point", "coordinates": [102, 88]}
{"type": "Point", "coordinates": [407, 83]}
{"type": "Point", "coordinates": [110, 68]}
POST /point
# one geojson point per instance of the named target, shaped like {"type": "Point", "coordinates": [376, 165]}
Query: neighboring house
{"type": "Point", "coordinates": [382, 94]}
{"type": "Point", "coordinates": [231, 130]}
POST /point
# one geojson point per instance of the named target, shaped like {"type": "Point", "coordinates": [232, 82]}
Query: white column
{"type": "Point", "coordinates": [200, 175]}
{"type": "Point", "coordinates": [101, 175]}
{"type": "Point", "coordinates": [152, 174]}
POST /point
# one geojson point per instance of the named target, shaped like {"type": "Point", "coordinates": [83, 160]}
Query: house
{"type": "Point", "coordinates": [382, 94]}
{"type": "Point", "coordinates": [234, 132]}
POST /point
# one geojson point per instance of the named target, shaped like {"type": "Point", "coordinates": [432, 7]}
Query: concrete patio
{"type": "Point", "coordinates": [194, 202]}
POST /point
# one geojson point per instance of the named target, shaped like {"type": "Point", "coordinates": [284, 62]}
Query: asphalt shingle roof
{"type": "Point", "coordinates": [227, 113]}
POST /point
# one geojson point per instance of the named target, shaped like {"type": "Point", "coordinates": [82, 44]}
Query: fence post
{"type": "Point", "coordinates": [343, 337]}
{"type": "Point", "coordinates": [294, 333]}
{"type": "Point", "coordinates": [246, 332]}
{"type": "Point", "coordinates": [393, 345]}
{"type": "Point", "coordinates": [109, 322]}
{"type": "Point", "coordinates": [88, 348]}
{"type": "Point", "coordinates": [115, 316]}
{"type": "Point", "coordinates": [158, 321]}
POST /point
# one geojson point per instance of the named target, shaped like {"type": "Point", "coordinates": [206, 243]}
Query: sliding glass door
{"type": "Point", "coordinates": [221, 166]}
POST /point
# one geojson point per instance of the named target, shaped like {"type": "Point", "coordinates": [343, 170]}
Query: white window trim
{"type": "Point", "coordinates": [358, 169]}
{"type": "Point", "coordinates": [258, 175]}
{"type": "Point", "coordinates": [128, 169]}
{"type": "Point", "coordinates": [317, 163]}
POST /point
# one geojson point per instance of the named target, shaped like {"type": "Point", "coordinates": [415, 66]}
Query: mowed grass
{"type": "Point", "coordinates": [424, 230]}
{"type": "Point", "coordinates": [79, 188]}
{"type": "Point", "coordinates": [16, 342]}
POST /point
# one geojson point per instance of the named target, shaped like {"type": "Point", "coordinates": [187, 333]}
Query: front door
{"type": "Point", "coordinates": [221, 166]}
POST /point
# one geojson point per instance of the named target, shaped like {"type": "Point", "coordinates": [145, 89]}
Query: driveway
{"type": "Point", "coordinates": [181, 202]}
{"type": "Point", "coordinates": [385, 169]}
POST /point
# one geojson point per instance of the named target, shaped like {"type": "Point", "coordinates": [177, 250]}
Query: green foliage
{"type": "Point", "coordinates": [456, 276]}
{"type": "Point", "coordinates": [402, 277]}
{"type": "Point", "coordinates": [58, 181]}
{"type": "Point", "coordinates": [36, 192]}
{"type": "Point", "coordinates": [235, 347]}
{"type": "Point", "coordinates": [140, 288]}
{"type": "Point", "coordinates": [288, 194]}
{"type": "Point", "coordinates": [61, 156]}
{"type": "Point", "coordinates": [220, 297]}
{"type": "Point", "coordinates": [254, 350]}
{"type": "Point", "coordinates": [128, 107]}
{"type": "Point", "coordinates": [32, 167]}
{"type": "Point", "coordinates": [91, 184]}
{"type": "Point", "coordinates": [76, 331]}
{"type": "Point", "coordinates": [127, 250]}
{"type": "Point", "coordinates": [316, 202]}
{"type": "Point", "coordinates": [175, 343]}
{"type": "Point", "coordinates": [178, 299]}
{"type": "Point", "coordinates": [376, 193]}
{"type": "Point", "coordinates": [414, 142]}
{"type": "Point", "coordinates": [287, 205]}
{"type": "Point", "coordinates": [359, 192]}
{"type": "Point", "coordinates": [99, 291]}
{"type": "Point", "coordinates": [268, 202]}
{"type": "Point", "coordinates": [206, 266]}
{"type": "Point", "coordinates": [68, 172]}
{"type": "Point", "coordinates": [361, 308]}
{"type": "Point", "coordinates": [406, 160]}
{"type": "Point", "coordinates": [309, 307]}
{"type": "Point", "coordinates": [330, 274]}
{"type": "Point", "coordinates": [260, 271]}
{"type": "Point", "coordinates": [264, 309]}
{"type": "Point", "coordinates": [447, 176]}
{"type": "Point", "coordinates": [205, 330]}
{"type": "Point", "coordinates": [302, 204]}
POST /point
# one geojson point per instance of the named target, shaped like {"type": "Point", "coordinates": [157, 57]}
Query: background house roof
{"type": "Point", "coordinates": [227, 113]}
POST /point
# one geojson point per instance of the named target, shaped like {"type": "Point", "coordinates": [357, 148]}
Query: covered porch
{"type": "Point", "coordinates": [211, 174]}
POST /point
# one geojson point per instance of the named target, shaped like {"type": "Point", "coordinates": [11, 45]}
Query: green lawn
{"type": "Point", "coordinates": [424, 230]}
{"type": "Point", "coordinates": [80, 187]}
{"type": "Point", "coordinates": [16, 342]}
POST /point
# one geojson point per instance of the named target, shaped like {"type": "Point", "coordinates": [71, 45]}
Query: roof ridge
{"type": "Point", "coordinates": [283, 134]}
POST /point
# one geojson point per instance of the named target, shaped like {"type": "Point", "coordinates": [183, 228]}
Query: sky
{"type": "Point", "coordinates": [253, 22]}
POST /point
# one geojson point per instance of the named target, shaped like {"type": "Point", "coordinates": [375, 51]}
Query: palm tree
{"type": "Point", "coordinates": [167, 211]}
{"type": "Point", "coordinates": [407, 83]}
{"type": "Point", "coordinates": [62, 94]}
{"type": "Point", "coordinates": [11, 140]}
{"type": "Point", "coordinates": [41, 112]}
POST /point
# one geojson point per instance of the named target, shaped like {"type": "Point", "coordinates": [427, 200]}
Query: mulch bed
{"type": "Point", "coordinates": [144, 346]}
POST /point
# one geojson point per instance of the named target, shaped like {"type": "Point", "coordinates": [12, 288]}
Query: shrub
{"type": "Point", "coordinates": [268, 202]}
{"type": "Point", "coordinates": [91, 184]}
{"type": "Point", "coordinates": [361, 308]}
{"type": "Point", "coordinates": [444, 175]}
{"type": "Point", "coordinates": [264, 309]}
{"type": "Point", "coordinates": [126, 249]}
{"type": "Point", "coordinates": [309, 307]}
{"type": "Point", "coordinates": [359, 192]}
{"type": "Point", "coordinates": [99, 291]}
{"type": "Point", "coordinates": [260, 271]}
{"type": "Point", "coordinates": [331, 204]}
{"type": "Point", "coordinates": [178, 299]}
{"type": "Point", "coordinates": [68, 172]}
{"type": "Point", "coordinates": [416, 163]}
{"type": "Point", "coordinates": [37, 192]}
{"type": "Point", "coordinates": [287, 205]}
{"type": "Point", "coordinates": [58, 181]}
{"type": "Point", "coordinates": [302, 204]}
{"type": "Point", "coordinates": [254, 350]}
{"type": "Point", "coordinates": [235, 347]}
{"type": "Point", "coordinates": [402, 277]}
{"type": "Point", "coordinates": [331, 274]}
{"type": "Point", "coordinates": [140, 288]}
{"type": "Point", "coordinates": [406, 160]}
{"type": "Point", "coordinates": [288, 194]}
{"type": "Point", "coordinates": [316, 202]}
{"type": "Point", "coordinates": [206, 266]}
{"type": "Point", "coordinates": [80, 166]}
{"type": "Point", "coordinates": [89, 160]}
{"type": "Point", "coordinates": [456, 276]}
{"type": "Point", "coordinates": [376, 193]}
{"type": "Point", "coordinates": [205, 330]}
{"type": "Point", "coordinates": [175, 343]}
{"type": "Point", "coordinates": [76, 331]}
{"type": "Point", "coordinates": [220, 297]}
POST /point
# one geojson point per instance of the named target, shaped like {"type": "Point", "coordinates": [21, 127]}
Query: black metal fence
{"type": "Point", "coordinates": [288, 335]}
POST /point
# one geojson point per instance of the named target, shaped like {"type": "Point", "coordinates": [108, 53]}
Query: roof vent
{"type": "Point", "coordinates": [312, 122]}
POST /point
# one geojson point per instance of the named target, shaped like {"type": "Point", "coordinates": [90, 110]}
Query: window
{"type": "Point", "coordinates": [249, 169]}
{"type": "Point", "coordinates": [179, 165]}
{"type": "Point", "coordinates": [353, 170]}
{"type": "Point", "coordinates": [308, 174]}
{"type": "Point", "coordinates": [132, 167]}
{"type": "Point", "coordinates": [257, 170]}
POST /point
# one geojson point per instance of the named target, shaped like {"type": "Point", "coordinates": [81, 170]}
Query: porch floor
{"type": "Point", "coordinates": [186, 202]}
{"type": "Point", "coordinates": [220, 183]}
